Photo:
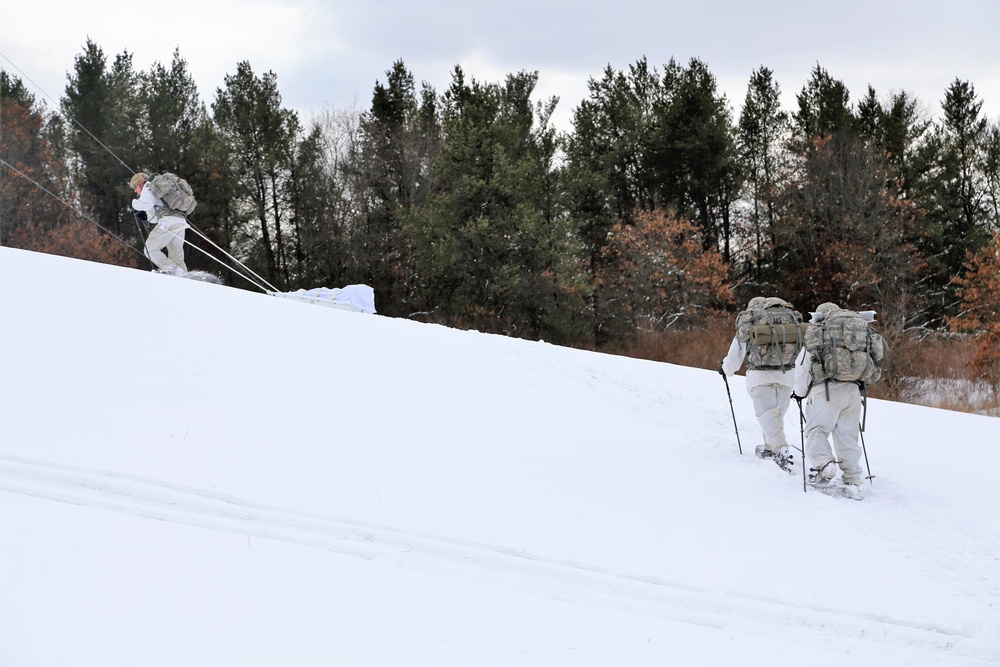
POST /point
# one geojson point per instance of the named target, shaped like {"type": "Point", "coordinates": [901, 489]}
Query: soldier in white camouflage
{"type": "Point", "coordinates": [840, 357]}
{"type": "Point", "coordinates": [168, 231]}
{"type": "Point", "coordinates": [769, 373]}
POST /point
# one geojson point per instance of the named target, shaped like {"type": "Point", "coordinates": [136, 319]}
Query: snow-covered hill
{"type": "Point", "coordinates": [194, 474]}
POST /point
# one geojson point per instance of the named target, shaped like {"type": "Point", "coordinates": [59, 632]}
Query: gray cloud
{"type": "Point", "coordinates": [331, 54]}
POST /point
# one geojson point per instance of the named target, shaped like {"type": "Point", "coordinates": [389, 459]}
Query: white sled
{"type": "Point", "coordinates": [359, 298]}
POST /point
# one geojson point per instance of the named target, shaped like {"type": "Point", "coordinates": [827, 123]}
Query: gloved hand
{"type": "Point", "coordinates": [721, 372]}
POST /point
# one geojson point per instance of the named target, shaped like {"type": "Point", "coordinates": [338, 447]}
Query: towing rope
{"type": "Point", "coordinates": [260, 283]}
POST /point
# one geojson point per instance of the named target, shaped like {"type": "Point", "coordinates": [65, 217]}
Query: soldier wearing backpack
{"type": "Point", "coordinates": [840, 358]}
{"type": "Point", "coordinates": [168, 232]}
{"type": "Point", "coordinates": [769, 370]}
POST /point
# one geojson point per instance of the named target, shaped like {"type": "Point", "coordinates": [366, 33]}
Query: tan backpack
{"type": "Point", "coordinates": [772, 334]}
{"type": "Point", "coordinates": [844, 348]}
{"type": "Point", "coordinates": [174, 192]}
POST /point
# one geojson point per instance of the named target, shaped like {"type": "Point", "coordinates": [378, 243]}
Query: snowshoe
{"type": "Point", "coordinates": [837, 489]}
{"type": "Point", "coordinates": [171, 271]}
{"type": "Point", "coordinates": [785, 460]}
{"type": "Point", "coordinates": [783, 457]}
{"type": "Point", "coordinates": [822, 476]}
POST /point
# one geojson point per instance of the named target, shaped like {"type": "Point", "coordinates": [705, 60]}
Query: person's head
{"type": "Point", "coordinates": [772, 301]}
{"type": "Point", "coordinates": [827, 308]}
{"type": "Point", "coordinates": [138, 180]}
{"type": "Point", "coordinates": [822, 310]}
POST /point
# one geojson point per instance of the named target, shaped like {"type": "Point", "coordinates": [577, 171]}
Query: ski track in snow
{"type": "Point", "coordinates": [483, 563]}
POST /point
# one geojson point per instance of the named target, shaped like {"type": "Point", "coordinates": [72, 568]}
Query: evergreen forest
{"type": "Point", "coordinates": [660, 212]}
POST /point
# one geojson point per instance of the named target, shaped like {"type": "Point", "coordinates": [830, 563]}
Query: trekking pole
{"type": "Point", "coordinates": [861, 432]}
{"type": "Point", "coordinates": [726, 380]}
{"type": "Point", "coordinates": [142, 237]}
{"type": "Point", "coordinates": [802, 437]}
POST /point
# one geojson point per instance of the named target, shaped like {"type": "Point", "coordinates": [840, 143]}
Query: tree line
{"type": "Point", "coordinates": [660, 206]}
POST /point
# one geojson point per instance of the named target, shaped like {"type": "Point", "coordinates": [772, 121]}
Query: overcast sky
{"type": "Point", "coordinates": [330, 53]}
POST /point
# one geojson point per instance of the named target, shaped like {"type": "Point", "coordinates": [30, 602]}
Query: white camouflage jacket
{"type": "Point", "coordinates": [153, 206]}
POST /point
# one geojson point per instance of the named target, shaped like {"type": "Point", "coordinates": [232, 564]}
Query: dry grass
{"type": "Point", "coordinates": [959, 395]}
{"type": "Point", "coordinates": [702, 347]}
{"type": "Point", "coordinates": [939, 372]}
{"type": "Point", "coordinates": [926, 369]}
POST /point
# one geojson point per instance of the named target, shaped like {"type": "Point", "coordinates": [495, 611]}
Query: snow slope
{"type": "Point", "coordinates": [199, 475]}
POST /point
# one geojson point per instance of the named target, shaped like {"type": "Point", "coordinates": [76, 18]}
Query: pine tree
{"type": "Point", "coordinates": [399, 141]}
{"type": "Point", "coordinates": [954, 192]}
{"type": "Point", "coordinates": [896, 134]}
{"type": "Point", "coordinates": [991, 173]}
{"type": "Point", "coordinates": [763, 131]}
{"type": "Point", "coordinates": [692, 157]}
{"type": "Point", "coordinates": [262, 137]}
{"type": "Point", "coordinates": [643, 141]}
{"type": "Point", "coordinates": [823, 109]}
{"type": "Point", "coordinates": [606, 175]}
{"type": "Point", "coordinates": [175, 134]}
{"type": "Point", "coordinates": [488, 245]}
{"type": "Point", "coordinates": [317, 249]}
{"type": "Point", "coordinates": [172, 114]}
{"type": "Point", "coordinates": [104, 126]}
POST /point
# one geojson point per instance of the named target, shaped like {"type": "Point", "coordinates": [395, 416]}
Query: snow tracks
{"type": "Point", "coordinates": [884, 638]}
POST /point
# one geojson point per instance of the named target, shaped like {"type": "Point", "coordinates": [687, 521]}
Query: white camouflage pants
{"type": "Point", "coordinates": [770, 403]}
{"type": "Point", "coordinates": [172, 239]}
{"type": "Point", "coordinates": [840, 417]}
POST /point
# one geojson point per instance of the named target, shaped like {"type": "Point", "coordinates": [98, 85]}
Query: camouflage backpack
{"type": "Point", "coordinates": [762, 328]}
{"type": "Point", "coordinates": [175, 193]}
{"type": "Point", "coordinates": [843, 348]}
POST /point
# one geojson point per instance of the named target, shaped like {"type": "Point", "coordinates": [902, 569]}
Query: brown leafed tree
{"type": "Point", "coordinates": [36, 204]}
{"type": "Point", "coordinates": [662, 272]}
{"type": "Point", "coordinates": [78, 239]}
{"type": "Point", "coordinates": [979, 289]}
{"type": "Point", "coordinates": [31, 178]}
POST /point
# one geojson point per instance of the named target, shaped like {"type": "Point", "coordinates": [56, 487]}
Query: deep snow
{"type": "Point", "coordinates": [199, 475]}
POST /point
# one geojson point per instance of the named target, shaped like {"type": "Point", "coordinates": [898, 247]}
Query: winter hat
{"type": "Point", "coordinates": [140, 177]}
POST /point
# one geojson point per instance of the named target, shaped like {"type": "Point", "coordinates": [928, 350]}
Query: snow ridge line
{"type": "Point", "coordinates": [477, 563]}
